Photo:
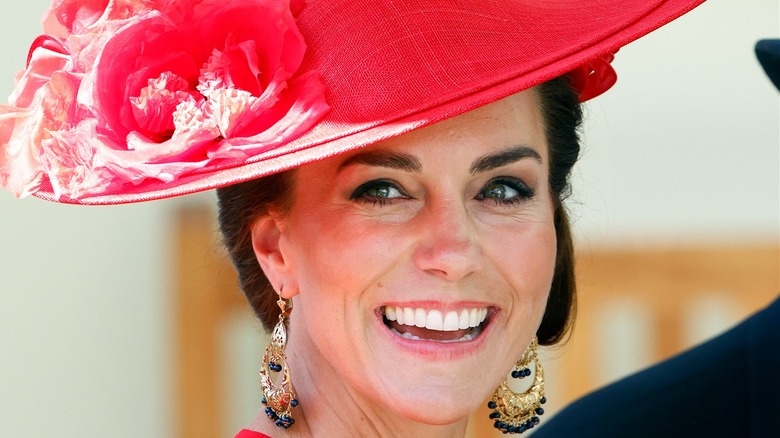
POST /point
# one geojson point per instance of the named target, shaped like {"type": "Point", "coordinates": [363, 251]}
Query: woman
{"type": "Point", "coordinates": [451, 227]}
{"type": "Point", "coordinates": [420, 232]}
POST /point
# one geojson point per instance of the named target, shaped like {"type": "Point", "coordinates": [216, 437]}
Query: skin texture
{"type": "Point", "coordinates": [436, 234]}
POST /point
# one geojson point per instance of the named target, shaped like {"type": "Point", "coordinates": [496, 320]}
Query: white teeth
{"type": "Point", "coordinates": [408, 336]}
{"type": "Point", "coordinates": [463, 321]}
{"type": "Point", "coordinates": [420, 318]}
{"type": "Point", "coordinates": [434, 319]}
{"type": "Point", "coordinates": [408, 316]}
{"type": "Point", "coordinates": [473, 317]}
{"type": "Point", "coordinates": [450, 321]}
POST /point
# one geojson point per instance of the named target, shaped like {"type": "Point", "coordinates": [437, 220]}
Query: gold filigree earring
{"type": "Point", "coordinates": [279, 399]}
{"type": "Point", "coordinates": [517, 412]}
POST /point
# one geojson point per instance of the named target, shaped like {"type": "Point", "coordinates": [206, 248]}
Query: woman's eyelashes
{"type": "Point", "coordinates": [505, 191]}
{"type": "Point", "coordinates": [500, 191]}
{"type": "Point", "coordinates": [378, 192]}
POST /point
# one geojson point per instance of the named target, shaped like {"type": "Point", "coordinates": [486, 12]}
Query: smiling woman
{"type": "Point", "coordinates": [415, 260]}
{"type": "Point", "coordinates": [397, 170]}
{"type": "Point", "coordinates": [438, 240]}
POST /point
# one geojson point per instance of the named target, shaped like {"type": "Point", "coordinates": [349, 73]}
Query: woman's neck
{"type": "Point", "coordinates": [328, 408]}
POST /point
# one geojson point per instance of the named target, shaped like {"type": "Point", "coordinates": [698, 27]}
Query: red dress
{"type": "Point", "coordinates": [246, 433]}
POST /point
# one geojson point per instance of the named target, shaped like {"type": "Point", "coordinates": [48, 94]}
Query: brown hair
{"type": "Point", "coordinates": [241, 204]}
{"type": "Point", "coordinates": [562, 114]}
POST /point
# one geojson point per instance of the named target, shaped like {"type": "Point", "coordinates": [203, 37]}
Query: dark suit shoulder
{"type": "Point", "coordinates": [728, 386]}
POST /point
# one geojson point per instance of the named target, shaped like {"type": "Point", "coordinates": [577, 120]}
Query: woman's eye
{"type": "Point", "coordinates": [505, 191]}
{"type": "Point", "coordinates": [379, 191]}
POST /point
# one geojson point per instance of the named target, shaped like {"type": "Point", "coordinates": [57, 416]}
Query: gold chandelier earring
{"type": "Point", "coordinates": [515, 412]}
{"type": "Point", "coordinates": [278, 398]}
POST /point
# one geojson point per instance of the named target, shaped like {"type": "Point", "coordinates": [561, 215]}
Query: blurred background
{"type": "Point", "coordinates": [679, 184]}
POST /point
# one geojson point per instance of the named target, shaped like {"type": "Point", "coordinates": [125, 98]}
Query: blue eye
{"type": "Point", "coordinates": [505, 191]}
{"type": "Point", "coordinates": [378, 192]}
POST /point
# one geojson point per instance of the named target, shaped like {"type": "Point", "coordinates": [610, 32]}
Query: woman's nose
{"type": "Point", "coordinates": [447, 245]}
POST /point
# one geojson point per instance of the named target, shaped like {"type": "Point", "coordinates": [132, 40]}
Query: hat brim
{"type": "Point", "coordinates": [455, 57]}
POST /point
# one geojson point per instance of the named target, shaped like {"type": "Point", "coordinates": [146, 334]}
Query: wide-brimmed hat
{"type": "Point", "coordinates": [132, 101]}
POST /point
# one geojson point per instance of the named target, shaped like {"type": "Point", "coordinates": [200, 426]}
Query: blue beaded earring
{"type": "Point", "coordinates": [517, 412]}
{"type": "Point", "coordinates": [278, 399]}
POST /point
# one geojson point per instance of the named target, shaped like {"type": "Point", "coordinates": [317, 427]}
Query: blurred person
{"type": "Point", "coordinates": [726, 387]}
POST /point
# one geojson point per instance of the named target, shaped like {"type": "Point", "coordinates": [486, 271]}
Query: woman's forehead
{"type": "Point", "coordinates": [512, 122]}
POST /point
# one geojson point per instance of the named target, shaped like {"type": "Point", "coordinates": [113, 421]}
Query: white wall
{"type": "Point", "coordinates": [683, 149]}
{"type": "Point", "coordinates": [85, 334]}
{"type": "Point", "coordinates": [686, 147]}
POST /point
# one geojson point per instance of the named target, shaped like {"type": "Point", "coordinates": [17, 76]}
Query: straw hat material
{"type": "Point", "coordinates": [381, 68]}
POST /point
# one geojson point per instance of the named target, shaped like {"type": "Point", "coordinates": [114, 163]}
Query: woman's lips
{"type": "Point", "coordinates": [420, 324]}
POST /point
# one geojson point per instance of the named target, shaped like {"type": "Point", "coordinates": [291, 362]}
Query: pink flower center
{"type": "Point", "coordinates": [236, 67]}
{"type": "Point", "coordinates": [226, 98]}
{"type": "Point", "coordinates": [153, 109]}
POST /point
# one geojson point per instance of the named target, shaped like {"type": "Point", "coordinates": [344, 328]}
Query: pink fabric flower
{"type": "Point", "coordinates": [130, 92]}
{"type": "Point", "coordinates": [66, 17]}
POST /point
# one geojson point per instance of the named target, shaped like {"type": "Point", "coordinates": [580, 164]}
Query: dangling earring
{"type": "Point", "coordinates": [278, 399]}
{"type": "Point", "coordinates": [517, 412]}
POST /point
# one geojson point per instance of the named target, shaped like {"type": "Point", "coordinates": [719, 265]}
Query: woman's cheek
{"type": "Point", "coordinates": [528, 260]}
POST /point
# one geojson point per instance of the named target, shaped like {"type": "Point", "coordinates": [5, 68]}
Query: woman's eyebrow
{"type": "Point", "coordinates": [492, 161]}
{"type": "Point", "coordinates": [391, 160]}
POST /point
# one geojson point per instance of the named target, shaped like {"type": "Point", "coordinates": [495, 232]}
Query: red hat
{"type": "Point", "coordinates": [158, 98]}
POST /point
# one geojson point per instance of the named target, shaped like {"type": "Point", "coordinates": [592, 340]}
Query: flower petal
{"type": "Point", "coordinates": [125, 93]}
{"type": "Point", "coordinates": [302, 106]}
{"type": "Point", "coordinates": [153, 109]}
{"type": "Point", "coordinates": [72, 16]}
{"type": "Point", "coordinates": [20, 171]}
{"type": "Point", "coordinates": [69, 159]}
{"type": "Point", "coordinates": [234, 67]}
{"type": "Point", "coordinates": [144, 48]}
{"type": "Point", "coordinates": [47, 56]}
{"type": "Point", "coordinates": [280, 45]}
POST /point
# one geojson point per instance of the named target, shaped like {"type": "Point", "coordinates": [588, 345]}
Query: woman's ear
{"type": "Point", "coordinates": [266, 237]}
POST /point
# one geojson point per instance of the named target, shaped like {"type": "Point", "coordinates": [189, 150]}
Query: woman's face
{"type": "Point", "coordinates": [449, 227]}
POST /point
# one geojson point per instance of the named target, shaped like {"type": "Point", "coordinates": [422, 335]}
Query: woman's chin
{"type": "Point", "coordinates": [431, 382]}
{"type": "Point", "coordinates": [432, 407]}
